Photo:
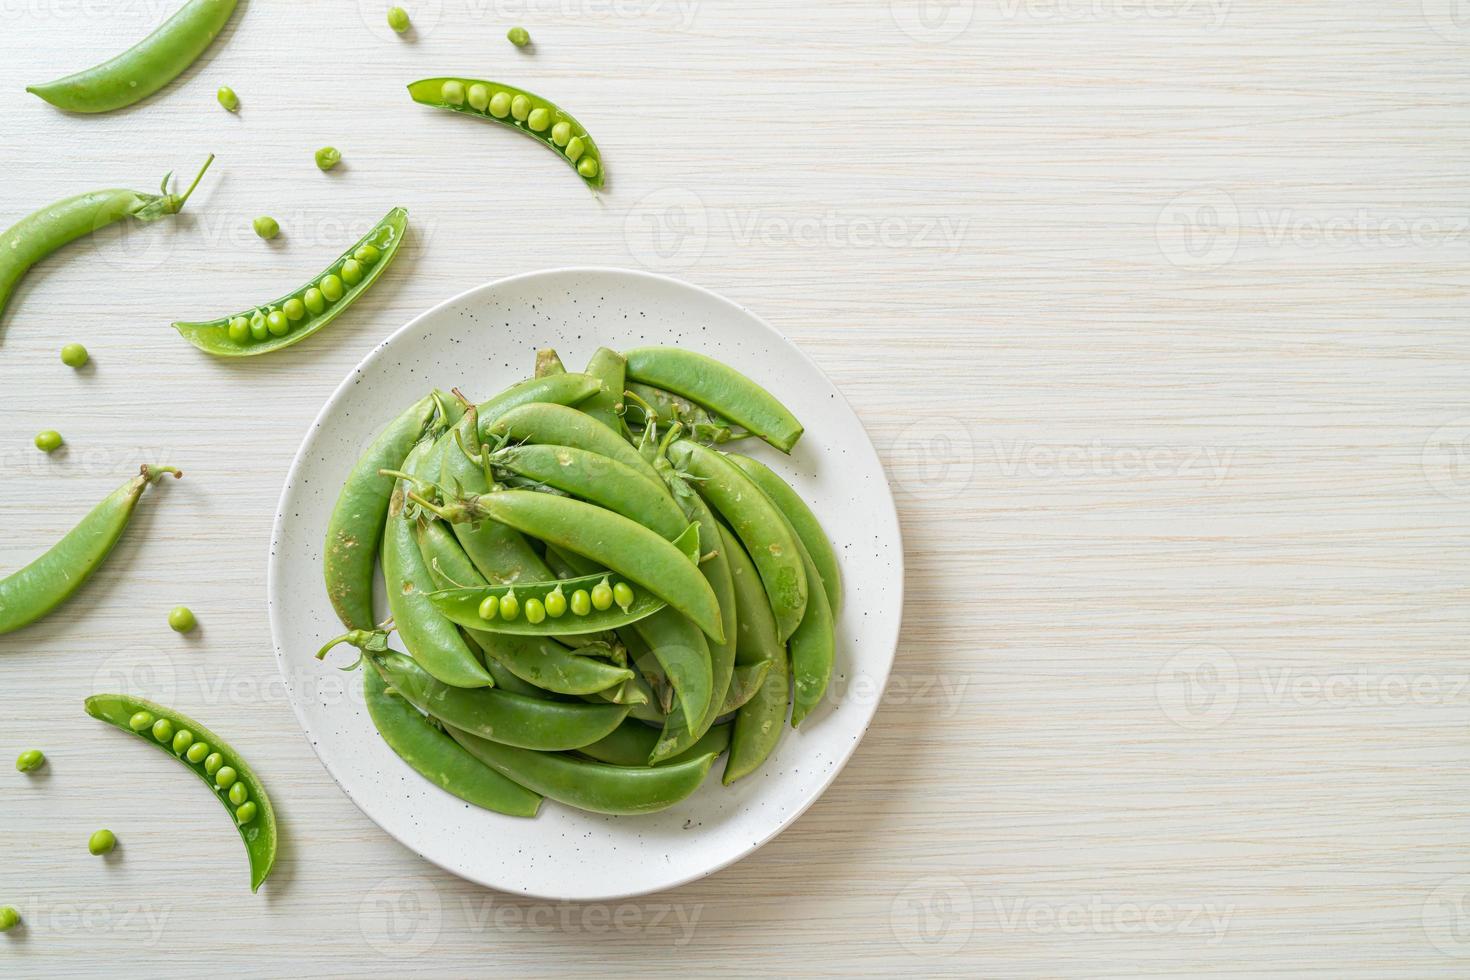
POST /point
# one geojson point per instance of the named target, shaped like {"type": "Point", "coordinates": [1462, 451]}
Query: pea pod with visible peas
{"type": "Point", "coordinates": [719, 388]}
{"type": "Point", "coordinates": [144, 68]}
{"type": "Point", "coordinates": [756, 521]}
{"type": "Point", "coordinates": [592, 786]}
{"type": "Point", "coordinates": [31, 593]}
{"type": "Point", "coordinates": [300, 313]}
{"type": "Point", "coordinates": [511, 719]}
{"type": "Point", "coordinates": [357, 521]}
{"type": "Point", "coordinates": [33, 238]}
{"type": "Point", "coordinates": [544, 121]}
{"type": "Point", "coordinates": [209, 758]}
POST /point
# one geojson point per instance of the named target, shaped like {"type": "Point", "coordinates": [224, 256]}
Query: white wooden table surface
{"type": "Point", "coordinates": [1155, 309]}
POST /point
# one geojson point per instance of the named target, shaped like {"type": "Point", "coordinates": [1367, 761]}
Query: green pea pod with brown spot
{"type": "Point", "coordinates": [808, 529]}
{"type": "Point", "coordinates": [35, 590]}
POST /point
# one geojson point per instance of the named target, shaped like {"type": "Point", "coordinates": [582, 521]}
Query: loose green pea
{"type": "Point", "coordinates": [518, 36]}
{"type": "Point", "coordinates": [539, 119]}
{"type": "Point", "coordinates": [48, 441]}
{"type": "Point", "coordinates": [315, 301]}
{"type": "Point", "coordinates": [101, 842]}
{"type": "Point", "coordinates": [9, 918]}
{"type": "Point", "coordinates": [197, 752]}
{"type": "Point", "coordinates": [181, 619]}
{"type": "Point", "coordinates": [366, 254]}
{"type": "Point", "coordinates": [183, 738]}
{"type": "Point", "coordinates": [352, 272]}
{"type": "Point", "coordinates": [623, 595]}
{"type": "Point", "coordinates": [277, 323]}
{"type": "Point", "coordinates": [293, 308]}
{"type": "Point", "coordinates": [239, 794]}
{"type": "Point", "coordinates": [266, 227]}
{"type": "Point", "coordinates": [510, 608]}
{"type": "Point", "coordinates": [74, 355]}
{"type": "Point", "coordinates": [30, 760]}
{"type": "Point", "coordinates": [479, 97]}
{"type": "Point", "coordinates": [228, 98]}
{"type": "Point", "coordinates": [398, 19]}
{"type": "Point", "coordinates": [226, 777]}
{"type": "Point", "coordinates": [140, 721]}
{"type": "Point", "coordinates": [587, 168]}
{"type": "Point", "coordinates": [212, 764]}
{"type": "Point", "coordinates": [489, 607]}
{"type": "Point", "coordinates": [500, 105]}
{"type": "Point", "coordinates": [163, 730]}
{"type": "Point", "coordinates": [556, 603]}
{"type": "Point", "coordinates": [245, 813]}
{"type": "Point", "coordinates": [453, 92]}
{"type": "Point", "coordinates": [239, 329]}
{"type": "Point", "coordinates": [328, 157]}
{"type": "Point", "coordinates": [331, 287]}
{"type": "Point", "coordinates": [581, 603]}
{"type": "Point", "coordinates": [259, 329]}
{"type": "Point", "coordinates": [520, 108]}
{"type": "Point", "coordinates": [535, 611]}
{"type": "Point", "coordinates": [575, 148]}
{"type": "Point", "coordinates": [561, 133]}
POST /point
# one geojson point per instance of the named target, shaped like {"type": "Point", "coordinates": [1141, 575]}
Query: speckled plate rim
{"type": "Point", "coordinates": [876, 675]}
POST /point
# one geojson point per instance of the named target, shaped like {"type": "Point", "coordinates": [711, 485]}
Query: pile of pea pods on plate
{"type": "Point", "coordinates": [593, 601]}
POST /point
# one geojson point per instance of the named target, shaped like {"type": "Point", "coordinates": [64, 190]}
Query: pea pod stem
{"type": "Point", "coordinates": [35, 590]}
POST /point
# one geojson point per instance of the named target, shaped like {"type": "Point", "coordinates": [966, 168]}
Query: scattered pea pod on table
{"type": "Point", "coordinates": [144, 68]}
{"type": "Point", "coordinates": [207, 756]}
{"type": "Point", "coordinates": [33, 238]}
{"type": "Point", "coordinates": [300, 313]}
{"type": "Point", "coordinates": [564, 581]}
{"type": "Point", "coordinates": [544, 121]}
{"type": "Point", "coordinates": [47, 582]}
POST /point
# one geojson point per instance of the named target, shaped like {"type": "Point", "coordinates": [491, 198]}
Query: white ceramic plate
{"type": "Point", "coordinates": [482, 341]}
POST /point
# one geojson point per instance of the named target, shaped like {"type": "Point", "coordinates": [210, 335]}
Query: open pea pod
{"type": "Point", "coordinates": [563, 607]}
{"type": "Point", "coordinates": [518, 109]}
{"type": "Point", "coordinates": [206, 755]}
{"type": "Point", "coordinates": [302, 312]}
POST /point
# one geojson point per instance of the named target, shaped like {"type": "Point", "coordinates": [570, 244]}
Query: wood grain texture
{"type": "Point", "coordinates": [1155, 311]}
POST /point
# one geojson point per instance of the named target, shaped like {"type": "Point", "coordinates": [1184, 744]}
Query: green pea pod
{"type": "Point", "coordinates": [760, 721]}
{"type": "Point", "coordinates": [162, 728]}
{"type": "Point", "coordinates": [756, 521]}
{"type": "Point", "coordinates": [808, 529]}
{"type": "Point", "coordinates": [813, 650]}
{"type": "Point", "coordinates": [599, 480]}
{"type": "Point", "coordinates": [557, 425]}
{"type": "Point", "coordinates": [625, 547]}
{"type": "Point", "coordinates": [541, 661]}
{"type": "Point", "coordinates": [47, 582]}
{"type": "Point", "coordinates": [439, 758]}
{"type": "Point", "coordinates": [646, 403]}
{"type": "Point", "coordinates": [448, 565]}
{"type": "Point", "coordinates": [608, 367]}
{"type": "Point", "coordinates": [144, 68]}
{"type": "Point", "coordinates": [462, 605]}
{"type": "Point", "coordinates": [717, 387]}
{"type": "Point", "coordinates": [745, 681]}
{"type": "Point", "coordinates": [525, 111]}
{"type": "Point", "coordinates": [357, 521]}
{"type": "Point", "coordinates": [593, 786]}
{"type": "Point", "coordinates": [511, 719]}
{"type": "Point", "coordinates": [432, 639]}
{"type": "Point", "coordinates": [631, 743]}
{"type": "Point", "coordinates": [300, 313]}
{"type": "Point", "coordinates": [36, 236]}
{"type": "Point", "coordinates": [683, 655]}
{"type": "Point", "coordinates": [548, 363]}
